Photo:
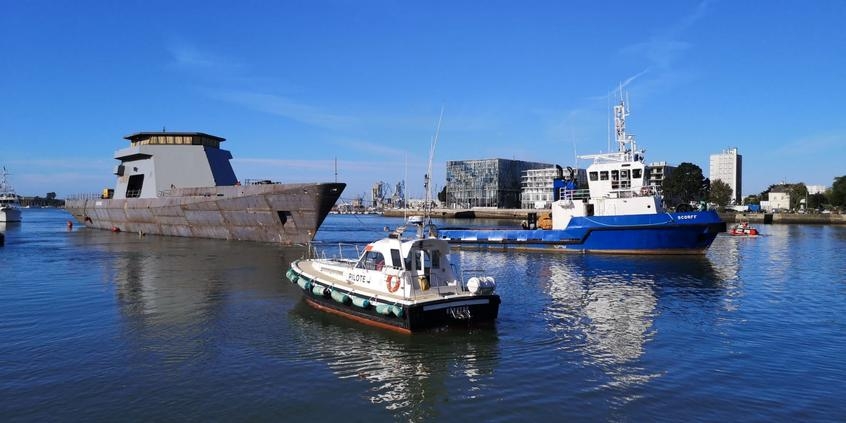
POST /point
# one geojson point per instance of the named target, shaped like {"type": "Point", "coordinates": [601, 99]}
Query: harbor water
{"type": "Point", "coordinates": [102, 326]}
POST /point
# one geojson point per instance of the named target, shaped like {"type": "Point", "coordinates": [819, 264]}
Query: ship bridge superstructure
{"type": "Point", "coordinates": [621, 173]}
{"type": "Point", "coordinates": [156, 162]}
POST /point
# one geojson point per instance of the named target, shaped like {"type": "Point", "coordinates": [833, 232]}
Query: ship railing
{"type": "Point", "coordinates": [335, 250]}
{"type": "Point", "coordinates": [85, 196]}
{"type": "Point", "coordinates": [645, 191]}
{"type": "Point", "coordinates": [192, 192]}
{"type": "Point", "coordinates": [259, 182]}
{"type": "Point", "coordinates": [573, 194]}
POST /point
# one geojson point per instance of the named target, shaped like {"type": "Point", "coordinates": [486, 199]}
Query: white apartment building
{"type": "Point", "coordinates": [537, 186]}
{"type": "Point", "coordinates": [778, 201]}
{"type": "Point", "coordinates": [728, 167]}
{"type": "Point", "coordinates": [815, 189]}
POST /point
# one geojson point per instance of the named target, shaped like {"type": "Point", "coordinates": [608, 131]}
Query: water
{"type": "Point", "coordinates": [101, 326]}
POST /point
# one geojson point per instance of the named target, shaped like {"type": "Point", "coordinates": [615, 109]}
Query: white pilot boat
{"type": "Point", "coordinates": [10, 206]}
{"type": "Point", "coordinates": [400, 284]}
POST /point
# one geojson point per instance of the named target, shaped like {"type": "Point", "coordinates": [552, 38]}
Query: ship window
{"type": "Point", "coordinates": [372, 260]}
{"type": "Point", "coordinates": [133, 188]}
{"type": "Point", "coordinates": [283, 216]}
{"type": "Point", "coordinates": [615, 175]}
{"type": "Point", "coordinates": [636, 173]}
{"type": "Point", "coordinates": [396, 258]}
{"type": "Point", "coordinates": [624, 174]}
{"type": "Point", "coordinates": [436, 259]}
{"type": "Point", "coordinates": [594, 176]}
{"type": "Point", "coordinates": [603, 176]}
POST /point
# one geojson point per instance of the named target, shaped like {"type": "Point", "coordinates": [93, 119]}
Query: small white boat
{"type": "Point", "coordinates": [10, 206]}
{"type": "Point", "coordinates": [400, 284]}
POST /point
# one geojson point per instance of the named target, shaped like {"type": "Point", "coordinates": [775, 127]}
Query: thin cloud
{"type": "Point", "coordinates": [371, 148]}
{"type": "Point", "coordinates": [285, 107]}
{"type": "Point", "coordinates": [662, 50]}
{"type": "Point", "coordinates": [63, 163]}
{"type": "Point", "coordinates": [189, 57]}
{"type": "Point", "coordinates": [812, 145]}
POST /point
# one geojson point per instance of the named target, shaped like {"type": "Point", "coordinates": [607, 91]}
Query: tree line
{"type": "Point", "coordinates": [687, 184]}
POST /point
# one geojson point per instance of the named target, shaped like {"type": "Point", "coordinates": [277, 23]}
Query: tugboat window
{"type": "Point", "coordinates": [133, 188]}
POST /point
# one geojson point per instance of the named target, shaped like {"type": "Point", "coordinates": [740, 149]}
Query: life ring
{"type": "Point", "coordinates": [392, 287]}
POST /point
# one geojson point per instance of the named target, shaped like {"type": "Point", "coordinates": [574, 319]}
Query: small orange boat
{"type": "Point", "coordinates": [743, 229]}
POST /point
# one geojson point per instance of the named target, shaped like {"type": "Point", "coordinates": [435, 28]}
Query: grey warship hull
{"type": "Point", "coordinates": [278, 213]}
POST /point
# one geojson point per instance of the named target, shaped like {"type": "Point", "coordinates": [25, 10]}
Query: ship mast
{"type": "Point", "coordinates": [626, 143]}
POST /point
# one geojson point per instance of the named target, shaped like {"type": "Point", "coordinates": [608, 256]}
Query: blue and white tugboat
{"type": "Point", "coordinates": [406, 285]}
{"type": "Point", "coordinates": [619, 213]}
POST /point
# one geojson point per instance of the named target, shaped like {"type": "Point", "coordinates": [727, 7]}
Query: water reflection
{"type": "Point", "coordinates": [410, 376]}
{"type": "Point", "coordinates": [610, 304]}
{"type": "Point", "coordinates": [172, 293]}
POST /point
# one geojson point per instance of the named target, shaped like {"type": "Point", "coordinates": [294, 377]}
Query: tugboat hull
{"type": "Point", "coordinates": [676, 233]}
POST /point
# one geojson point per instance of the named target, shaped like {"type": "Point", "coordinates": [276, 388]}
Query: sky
{"type": "Point", "coordinates": [298, 86]}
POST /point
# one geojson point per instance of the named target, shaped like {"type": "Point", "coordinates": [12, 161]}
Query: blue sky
{"type": "Point", "coordinates": [294, 85]}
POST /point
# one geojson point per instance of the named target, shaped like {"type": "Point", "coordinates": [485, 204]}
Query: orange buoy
{"type": "Point", "coordinates": [115, 229]}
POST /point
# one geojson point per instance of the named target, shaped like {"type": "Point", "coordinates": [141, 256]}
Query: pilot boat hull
{"type": "Point", "coordinates": [394, 313]}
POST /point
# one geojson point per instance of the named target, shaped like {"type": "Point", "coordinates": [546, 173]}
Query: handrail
{"type": "Point", "coordinates": [84, 196]}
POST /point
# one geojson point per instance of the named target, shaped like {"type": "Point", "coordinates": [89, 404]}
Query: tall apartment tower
{"type": "Point", "coordinates": [728, 167]}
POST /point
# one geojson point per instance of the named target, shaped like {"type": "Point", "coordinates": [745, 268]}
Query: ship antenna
{"type": "Point", "coordinates": [428, 177]}
{"type": "Point", "coordinates": [404, 192]}
{"type": "Point", "coordinates": [608, 126]}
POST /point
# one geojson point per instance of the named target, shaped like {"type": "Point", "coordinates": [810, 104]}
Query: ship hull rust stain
{"type": "Point", "coordinates": [278, 213]}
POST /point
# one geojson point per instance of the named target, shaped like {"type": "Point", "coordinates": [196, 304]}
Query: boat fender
{"type": "Point", "coordinates": [392, 282]}
{"type": "Point", "coordinates": [396, 311]}
{"type": "Point", "coordinates": [293, 276]}
{"type": "Point", "coordinates": [319, 290]}
{"type": "Point", "coordinates": [341, 297]}
{"type": "Point", "coordinates": [383, 309]}
{"type": "Point", "coordinates": [361, 302]}
{"type": "Point", "coordinates": [304, 283]}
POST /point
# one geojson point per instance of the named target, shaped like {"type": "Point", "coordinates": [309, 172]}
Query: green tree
{"type": "Point", "coordinates": [684, 184]}
{"type": "Point", "coordinates": [798, 193]}
{"type": "Point", "coordinates": [720, 193]}
{"type": "Point", "coordinates": [816, 201]}
{"type": "Point", "coordinates": [837, 192]}
{"type": "Point", "coordinates": [51, 196]}
{"type": "Point", "coordinates": [751, 199]}
{"type": "Point", "coordinates": [442, 196]}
